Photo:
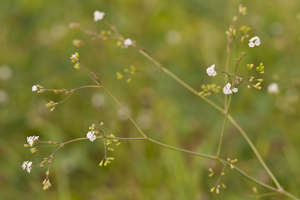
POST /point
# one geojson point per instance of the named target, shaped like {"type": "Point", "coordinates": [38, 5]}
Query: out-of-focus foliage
{"type": "Point", "coordinates": [186, 37]}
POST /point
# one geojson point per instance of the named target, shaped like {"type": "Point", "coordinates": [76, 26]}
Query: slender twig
{"type": "Point", "coordinates": [224, 126]}
{"type": "Point", "coordinates": [138, 128]}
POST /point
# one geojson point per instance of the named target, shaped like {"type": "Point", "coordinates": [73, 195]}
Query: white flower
{"type": "Point", "coordinates": [32, 139]}
{"type": "Point", "coordinates": [254, 38]}
{"type": "Point", "coordinates": [34, 88]}
{"type": "Point", "coordinates": [73, 57]}
{"type": "Point", "coordinates": [127, 43]}
{"type": "Point", "coordinates": [235, 90]}
{"type": "Point", "coordinates": [211, 70]}
{"type": "Point", "coordinates": [251, 44]}
{"type": "Point", "coordinates": [273, 88]}
{"type": "Point", "coordinates": [227, 89]}
{"type": "Point", "coordinates": [255, 41]}
{"type": "Point", "coordinates": [27, 165]}
{"type": "Point", "coordinates": [91, 136]}
{"type": "Point", "coordinates": [24, 165]}
{"type": "Point", "coordinates": [98, 15]}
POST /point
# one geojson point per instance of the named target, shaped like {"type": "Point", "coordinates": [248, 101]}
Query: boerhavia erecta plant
{"type": "Point", "coordinates": [229, 86]}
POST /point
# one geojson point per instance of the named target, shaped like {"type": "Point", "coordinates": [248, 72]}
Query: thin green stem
{"type": "Point", "coordinates": [179, 149]}
{"type": "Point", "coordinates": [229, 40]}
{"type": "Point", "coordinates": [138, 128]}
{"type": "Point", "coordinates": [224, 126]}
{"type": "Point", "coordinates": [255, 151]}
{"type": "Point", "coordinates": [143, 52]}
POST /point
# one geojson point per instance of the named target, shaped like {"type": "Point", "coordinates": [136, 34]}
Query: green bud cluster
{"type": "Point", "coordinates": [106, 161]}
{"type": "Point", "coordinates": [242, 10]}
{"type": "Point", "coordinates": [51, 104]}
{"type": "Point", "coordinates": [46, 182]}
{"type": "Point", "coordinates": [231, 32]}
{"type": "Point", "coordinates": [261, 68]}
{"type": "Point", "coordinates": [208, 89]}
{"type": "Point", "coordinates": [244, 30]}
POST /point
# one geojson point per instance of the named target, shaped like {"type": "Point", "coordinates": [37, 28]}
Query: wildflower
{"type": "Point", "coordinates": [127, 43]}
{"type": "Point", "coordinates": [75, 57]}
{"type": "Point", "coordinates": [255, 41]}
{"type": "Point", "coordinates": [91, 136]}
{"type": "Point", "coordinates": [27, 165]}
{"type": "Point", "coordinates": [34, 88]}
{"type": "Point", "coordinates": [98, 15]}
{"type": "Point", "coordinates": [211, 70]}
{"type": "Point", "coordinates": [32, 139]}
{"type": "Point", "coordinates": [273, 88]}
{"type": "Point", "coordinates": [227, 89]}
{"type": "Point", "coordinates": [235, 90]}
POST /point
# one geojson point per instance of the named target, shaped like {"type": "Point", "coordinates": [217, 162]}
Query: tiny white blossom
{"type": "Point", "coordinates": [251, 44]}
{"type": "Point", "coordinates": [235, 90]}
{"type": "Point", "coordinates": [34, 88]}
{"type": "Point", "coordinates": [91, 136]}
{"type": "Point", "coordinates": [127, 43]}
{"type": "Point", "coordinates": [27, 165]}
{"type": "Point", "coordinates": [24, 165]}
{"type": "Point", "coordinates": [73, 57]}
{"type": "Point", "coordinates": [227, 89]}
{"type": "Point", "coordinates": [254, 38]}
{"type": "Point", "coordinates": [98, 15]}
{"type": "Point", "coordinates": [273, 88]}
{"type": "Point", "coordinates": [255, 41]}
{"type": "Point", "coordinates": [32, 139]}
{"type": "Point", "coordinates": [211, 70]}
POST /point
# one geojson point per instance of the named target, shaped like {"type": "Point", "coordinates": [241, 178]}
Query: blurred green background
{"type": "Point", "coordinates": [186, 37]}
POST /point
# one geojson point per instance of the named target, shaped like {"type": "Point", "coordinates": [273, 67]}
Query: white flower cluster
{"type": "Point", "coordinates": [27, 165]}
{"type": "Point", "coordinates": [211, 70]}
{"type": "Point", "coordinates": [227, 89]}
{"type": "Point", "coordinates": [32, 139]}
{"type": "Point", "coordinates": [255, 41]}
{"type": "Point", "coordinates": [273, 88]}
{"type": "Point", "coordinates": [127, 42]}
{"type": "Point", "coordinates": [98, 15]}
{"type": "Point", "coordinates": [91, 136]}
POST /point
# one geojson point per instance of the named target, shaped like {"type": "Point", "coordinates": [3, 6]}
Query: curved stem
{"type": "Point", "coordinates": [142, 51]}
{"type": "Point", "coordinates": [224, 162]}
{"type": "Point", "coordinates": [224, 126]}
{"type": "Point", "coordinates": [255, 151]}
{"type": "Point", "coordinates": [138, 128]}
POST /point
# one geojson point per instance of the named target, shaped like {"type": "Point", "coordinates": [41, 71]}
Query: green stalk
{"type": "Point", "coordinates": [255, 152]}
{"type": "Point", "coordinates": [224, 126]}
{"type": "Point", "coordinates": [138, 128]}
